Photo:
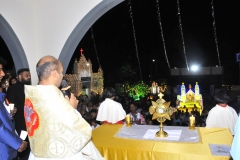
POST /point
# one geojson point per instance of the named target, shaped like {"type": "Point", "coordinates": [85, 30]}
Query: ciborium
{"type": "Point", "coordinates": [161, 111]}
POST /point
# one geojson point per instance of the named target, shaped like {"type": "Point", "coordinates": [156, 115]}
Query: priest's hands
{"type": "Point", "coordinates": [23, 146]}
{"type": "Point", "coordinates": [73, 100]}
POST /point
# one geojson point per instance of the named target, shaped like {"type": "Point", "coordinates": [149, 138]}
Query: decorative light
{"type": "Point", "coordinates": [194, 68]}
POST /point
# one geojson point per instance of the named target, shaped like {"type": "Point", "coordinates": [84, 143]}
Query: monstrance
{"type": "Point", "coordinates": [161, 111]}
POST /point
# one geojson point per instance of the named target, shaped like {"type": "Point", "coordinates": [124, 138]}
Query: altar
{"type": "Point", "coordinates": [114, 142]}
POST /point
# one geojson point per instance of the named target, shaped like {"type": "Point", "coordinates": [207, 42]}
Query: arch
{"type": "Point", "coordinates": [82, 27]}
{"type": "Point", "coordinates": [13, 44]}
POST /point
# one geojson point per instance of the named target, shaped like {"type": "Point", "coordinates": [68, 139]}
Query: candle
{"type": "Point", "coordinates": [153, 90]}
{"type": "Point", "coordinates": [128, 119]}
{"type": "Point", "coordinates": [192, 120]}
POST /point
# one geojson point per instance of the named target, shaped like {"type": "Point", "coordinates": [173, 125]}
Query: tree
{"type": "Point", "coordinates": [137, 90]}
{"type": "Point", "coordinates": [127, 73]}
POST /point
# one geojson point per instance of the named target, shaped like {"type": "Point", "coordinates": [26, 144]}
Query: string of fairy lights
{"type": "Point", "coordinates": [181, 31]}
{"type": "Point", "coordinates": [215, 33]}
{"type": "Point", "coordinates": [162, 35]}
{"type": "Point", "coordinates": [135, 39]}
{"type": "Point", "coordinates": [161, 29]}
{"type": "Point", "coordinates": [95, 48]}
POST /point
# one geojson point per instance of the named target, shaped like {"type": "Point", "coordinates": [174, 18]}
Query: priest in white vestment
{"type": "Point", "coordinates": [109, 111]}
{"type": "Point", "coordinates": [55, 128]}
{"type": "Point", "coordinates": [222, 115]}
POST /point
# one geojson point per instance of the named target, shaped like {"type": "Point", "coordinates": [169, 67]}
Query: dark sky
{"type": "Point", "coordinates": [115, 42]}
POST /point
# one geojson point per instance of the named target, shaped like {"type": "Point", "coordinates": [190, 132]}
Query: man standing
{"type": "Point", "coordinates": [15, 95]}
{"type": "Point", "coordinates": [55, 128]}
{"type": "Point", "coordinates": [10, 142]}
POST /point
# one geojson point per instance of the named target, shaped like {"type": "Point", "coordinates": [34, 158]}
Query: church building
{"type": "Point", "coordinates": [83, 81]}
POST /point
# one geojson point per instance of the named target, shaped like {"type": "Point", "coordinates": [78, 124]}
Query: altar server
{"type": "Point", "coordinates": [222, 115]}
{"type": "Point", "coordinates": [110, 111]}
{"type": "Point", "coordinates": [55, 128]}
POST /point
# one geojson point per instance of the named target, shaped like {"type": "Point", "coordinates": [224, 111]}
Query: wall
{"type": "Point", "coordinates": [49, 27]}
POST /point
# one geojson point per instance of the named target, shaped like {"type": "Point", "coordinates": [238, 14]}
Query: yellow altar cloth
{"type": "Point", "coordinates": [114, 148]}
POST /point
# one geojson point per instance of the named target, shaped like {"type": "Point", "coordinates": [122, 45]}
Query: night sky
{"type": "Point", "coordinates": [115, 42]}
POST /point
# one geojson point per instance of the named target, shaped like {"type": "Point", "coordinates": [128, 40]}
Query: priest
{"type": "Point", "coordinates": [55, 128]}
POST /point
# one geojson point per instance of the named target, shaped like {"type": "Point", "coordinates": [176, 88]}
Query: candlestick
{"type": "Point", "coordinates": [192, 122]}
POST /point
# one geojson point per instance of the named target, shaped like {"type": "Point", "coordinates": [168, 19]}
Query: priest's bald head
{"type": "Point", "coordinates": [49, 71]}
{"type": "Point", "coordinates": [222, 96]}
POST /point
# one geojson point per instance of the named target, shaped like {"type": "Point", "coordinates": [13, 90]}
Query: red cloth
{"type": "Point", "coordinates": [119, 122]}
{"type": "Point", "coordinates": [222, 105]}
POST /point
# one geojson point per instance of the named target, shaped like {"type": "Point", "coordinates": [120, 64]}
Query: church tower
{"type": "Point", "coordinates": [75, 67]}
{"type": "Point", "coordinates": [183, 93]}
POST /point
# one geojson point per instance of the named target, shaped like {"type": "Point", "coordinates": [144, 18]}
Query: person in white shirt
{"type": "Point", "coordinates": [136, 117]}
{"type": "Point", "coordinates": [222, 115]}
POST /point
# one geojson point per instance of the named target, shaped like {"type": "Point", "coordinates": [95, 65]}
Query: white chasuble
{"type": "Point", "coordinates": [56, 130]}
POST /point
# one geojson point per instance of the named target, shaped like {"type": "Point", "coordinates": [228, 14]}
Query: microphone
{"type": "Point", "coordinates": [65, 89]}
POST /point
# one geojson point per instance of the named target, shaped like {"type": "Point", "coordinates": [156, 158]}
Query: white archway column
{"type": "Point", "coordinates": [13, 44]}
{"type": "Point", "coordinates": [50, 27]}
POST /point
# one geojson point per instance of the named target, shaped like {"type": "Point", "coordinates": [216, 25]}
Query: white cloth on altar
{"type": "Point", "coordinates": [236, 142]}
{"type": "Point", "coordinates": [222, 117]}
{"type": "Point", "coordinates": [110, 111]}
{"type": "Point", "coordinates": [139, 132]}
{"type": "Point", "coordinates": [173, 135]}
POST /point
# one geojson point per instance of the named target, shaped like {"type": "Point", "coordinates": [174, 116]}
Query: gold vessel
{"type": "Point", "coordinates": [161, 111]}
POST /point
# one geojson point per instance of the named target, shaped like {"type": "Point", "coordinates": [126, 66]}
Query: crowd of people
{"type": "Point", "coordinates": [138, 111]}
{"type": "Point", "coordinates": [81, 115]}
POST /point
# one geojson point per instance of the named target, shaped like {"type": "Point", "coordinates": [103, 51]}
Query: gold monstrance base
{"type": "Point", "coordinates": [161, 133]}
{"type": "Point", "coordinates": [192, 127]}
